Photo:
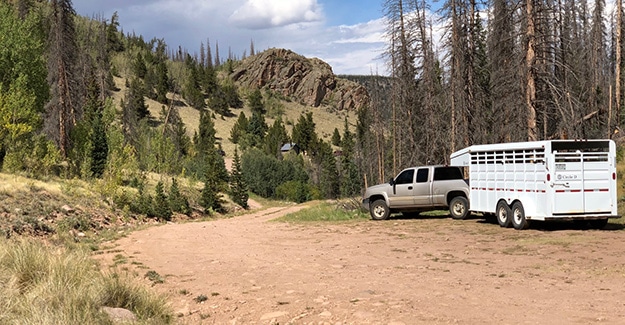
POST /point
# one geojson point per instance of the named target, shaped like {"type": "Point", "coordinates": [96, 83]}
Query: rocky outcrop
{"type": "Point", "coordinates": [308, 81]}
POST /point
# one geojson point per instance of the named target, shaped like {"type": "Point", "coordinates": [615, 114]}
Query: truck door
{"type": "Point", "coordinates": [423, 188]}
{"type": "Point", "coordinates": [568, 183]}
{"type": "Point", "coordinates": [403, 189]}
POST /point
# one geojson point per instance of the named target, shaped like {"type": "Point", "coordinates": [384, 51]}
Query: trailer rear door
{"type": "Point", "coordinates": [568, 184]}
{"type": "Point", "coordinates": [582, 177]}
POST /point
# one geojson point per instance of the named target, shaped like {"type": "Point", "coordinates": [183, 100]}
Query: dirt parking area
{"type": "Point", "coordinates": [250, 270]}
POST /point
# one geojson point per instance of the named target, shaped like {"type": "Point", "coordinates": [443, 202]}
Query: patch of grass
{"type": "Point", "coordinates": [119, 259]}
{"type": "Point", "coordinates": [51, 285]}
{"type": "Point", "coordinates": [200, 298]}
{"type": "Point", "coordinates": [324, 212]}
{"type": "Point", "coordinates": [154, 277]}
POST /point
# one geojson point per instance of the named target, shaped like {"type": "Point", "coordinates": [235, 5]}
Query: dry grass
{"type": "Point", "coordinates": [48, 285]}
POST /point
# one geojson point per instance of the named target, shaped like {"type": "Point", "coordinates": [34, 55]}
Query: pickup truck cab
{"type": "Point", "coordinates": [420, 189]}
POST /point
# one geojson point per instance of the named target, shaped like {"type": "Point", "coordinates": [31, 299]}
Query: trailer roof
{"type": "Point", "coordinates": [457, 158]}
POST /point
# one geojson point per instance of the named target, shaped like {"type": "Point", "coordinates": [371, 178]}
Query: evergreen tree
{"type": "Point", "coordinates": [113, 39]}
{"type": "Point", "coordinates": [238, 187]}
{"type": "Point", "coordinates": [275, 138]}
{"type": "Point", "coordinates": [350, 180]}
{"type": "Point", "coordinates": [219, 103]}
{"type": "Point", "coordinates": [255, 102]}
{"type": "Point", "coordinates": [191, 90]}
{"type": "Point", "coordinates": [211, 199]}
{"type": "Point", "coordinates": [256, 129]}
{"type": "Point", "coordinates": [329, 175]}
{"type": "Point", "coordinates": [177, 201]}
{"type": "Point", "coordinates": [139, 68]}
{"type": "Point", "coordinates": [205, 139]}
{"type": "Point", "coordinates": [336, 137]}
{"type": "Point", "coordinates": [239, 129]}
{"type": "Point", "coordinates": [304, 133]}
{"type": "Point", "coordinates": [161, 204]}
{"type": "Point", "coordinates": [99, 147]}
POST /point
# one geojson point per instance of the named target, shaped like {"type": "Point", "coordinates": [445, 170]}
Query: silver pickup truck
{"type": "Point", "coordinates": [419, 189]}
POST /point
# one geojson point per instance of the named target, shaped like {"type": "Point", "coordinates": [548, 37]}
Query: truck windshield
{"type": "Point", "coordinates": [447, 173]}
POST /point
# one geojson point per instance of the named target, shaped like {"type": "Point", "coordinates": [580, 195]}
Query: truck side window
{"type": "Point", "coordinates": [422, 175]}
{"type": "Point", "coordinates": [406, 177]}
{"type": "Point", "coordinates": [447, 173]}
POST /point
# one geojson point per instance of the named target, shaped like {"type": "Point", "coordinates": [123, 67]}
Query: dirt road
{"type": "Point", "coordinates": [399, 271]}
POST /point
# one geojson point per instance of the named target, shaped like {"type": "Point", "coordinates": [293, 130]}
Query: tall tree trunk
{"type": "Point", "coordinates": [617, 86]}
{"type": "Point", "coordinates": [530, 90]}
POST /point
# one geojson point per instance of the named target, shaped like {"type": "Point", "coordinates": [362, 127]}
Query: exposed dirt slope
{"type": "Point", "coordinates": [402, 271]}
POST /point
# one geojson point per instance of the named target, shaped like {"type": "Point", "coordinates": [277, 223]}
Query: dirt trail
{"type": "Point", "coordinates": [401, 271]}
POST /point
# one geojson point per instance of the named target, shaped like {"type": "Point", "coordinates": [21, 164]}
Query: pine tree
{"type": "Point", "coordinates": [336, 137]}
{"type": "Point", "coordinates": [211, 199]}
{"type": "Point", "coordinates": [239, 129]}
{"type": "Point", "coordinates": [275, 138]}
{"type": "Point", "coordinates": [256, 129]}
{"type": "Point", "coordinates": [238, 187]}
{"type": "Point", "coordinates": [205, 140]}
{"type": "Point", "coordinates": [304, 133]}
{"type": "Point", "coordinates": [161, 204]}
{"type": "Point", "coordinates": [255, 102]}
{"type": "Point", "coordinates": [177, 201]}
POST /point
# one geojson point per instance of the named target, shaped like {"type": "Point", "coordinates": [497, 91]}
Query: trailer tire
{"type": "Point", "coordinates": [503, 214]}
{"type": "Point", "coordinates": [459, 207]}
{"type": "Point", "coordinates": [379, 210]}
{"type": "Point", "coordinates": [519, 222]}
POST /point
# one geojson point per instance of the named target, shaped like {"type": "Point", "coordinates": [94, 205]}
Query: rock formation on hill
{"type": "Point", "coordinates": [308, 81]}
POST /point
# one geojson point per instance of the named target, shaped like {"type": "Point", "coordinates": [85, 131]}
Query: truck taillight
{"type": "Point", "coordinates": [548, 177]}
{"type": "Point", "coordinates": [614, 176]}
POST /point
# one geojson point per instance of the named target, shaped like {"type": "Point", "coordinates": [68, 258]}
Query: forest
{"type": "Point", "coordinates": [507, 70]}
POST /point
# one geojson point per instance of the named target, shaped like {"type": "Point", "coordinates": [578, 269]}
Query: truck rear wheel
{"type": "Point", "coordinates": [518, 216]}
{"type": "Point", "coordinates": [379, 210]}
{"type": "Point", "coordinates": [503, 213]}
{"type": "Point", "coordinates": [459, 207]}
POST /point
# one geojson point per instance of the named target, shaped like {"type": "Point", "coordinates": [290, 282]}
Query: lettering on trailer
{"type": "Point", "coordinates": [564, 177]}
{"type": "Point", "coordinates": [560, 167]}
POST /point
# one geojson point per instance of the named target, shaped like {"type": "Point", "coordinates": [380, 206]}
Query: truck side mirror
{"type": "Point", "coordinates": [391, 181]}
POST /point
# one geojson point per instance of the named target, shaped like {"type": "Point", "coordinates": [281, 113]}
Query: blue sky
{"type": "Point", "coordinates": [348, 34]}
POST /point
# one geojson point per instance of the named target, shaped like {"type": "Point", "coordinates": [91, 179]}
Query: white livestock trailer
{"type": "Point", "coordinates": [542, 180]}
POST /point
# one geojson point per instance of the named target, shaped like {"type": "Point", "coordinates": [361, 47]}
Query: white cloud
{"type": "Point", "coordinates": [261, 14]}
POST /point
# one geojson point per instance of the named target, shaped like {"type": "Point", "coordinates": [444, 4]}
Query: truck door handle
{"type": "Point", "coordinates": [410, 187]}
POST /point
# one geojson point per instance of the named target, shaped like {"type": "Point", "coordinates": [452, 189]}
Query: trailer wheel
{"type": "Point", "coordinates": [459, 207]}
{"type": "Point", "coordinates": [379, 210]}
{"type": "Point", "coordinates": [518, 216]}
{"type": "Point", "coordinates": [503, 214]}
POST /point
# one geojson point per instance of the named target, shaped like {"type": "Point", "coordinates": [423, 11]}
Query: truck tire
{"type": "Point", "coordinates": [379, 210]}
{"type": "Point", "coordinates": [503, 213]}
{"type": "Point", "coordinates": [459, 207]}
{"type": "Point", "coordinates": [518, 216]}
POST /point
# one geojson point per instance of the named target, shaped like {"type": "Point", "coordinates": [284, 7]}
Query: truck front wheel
{"type": "Point", "coordinates": [379, 210]}
{"type": "Point", "coordinates": [459, 207]}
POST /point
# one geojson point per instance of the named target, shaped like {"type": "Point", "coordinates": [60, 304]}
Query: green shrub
{"type": "Point", "coordinates": [294, 191]}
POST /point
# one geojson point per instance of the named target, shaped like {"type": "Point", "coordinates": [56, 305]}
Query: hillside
{"type": "Point", "coordinates": [291, 84]}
